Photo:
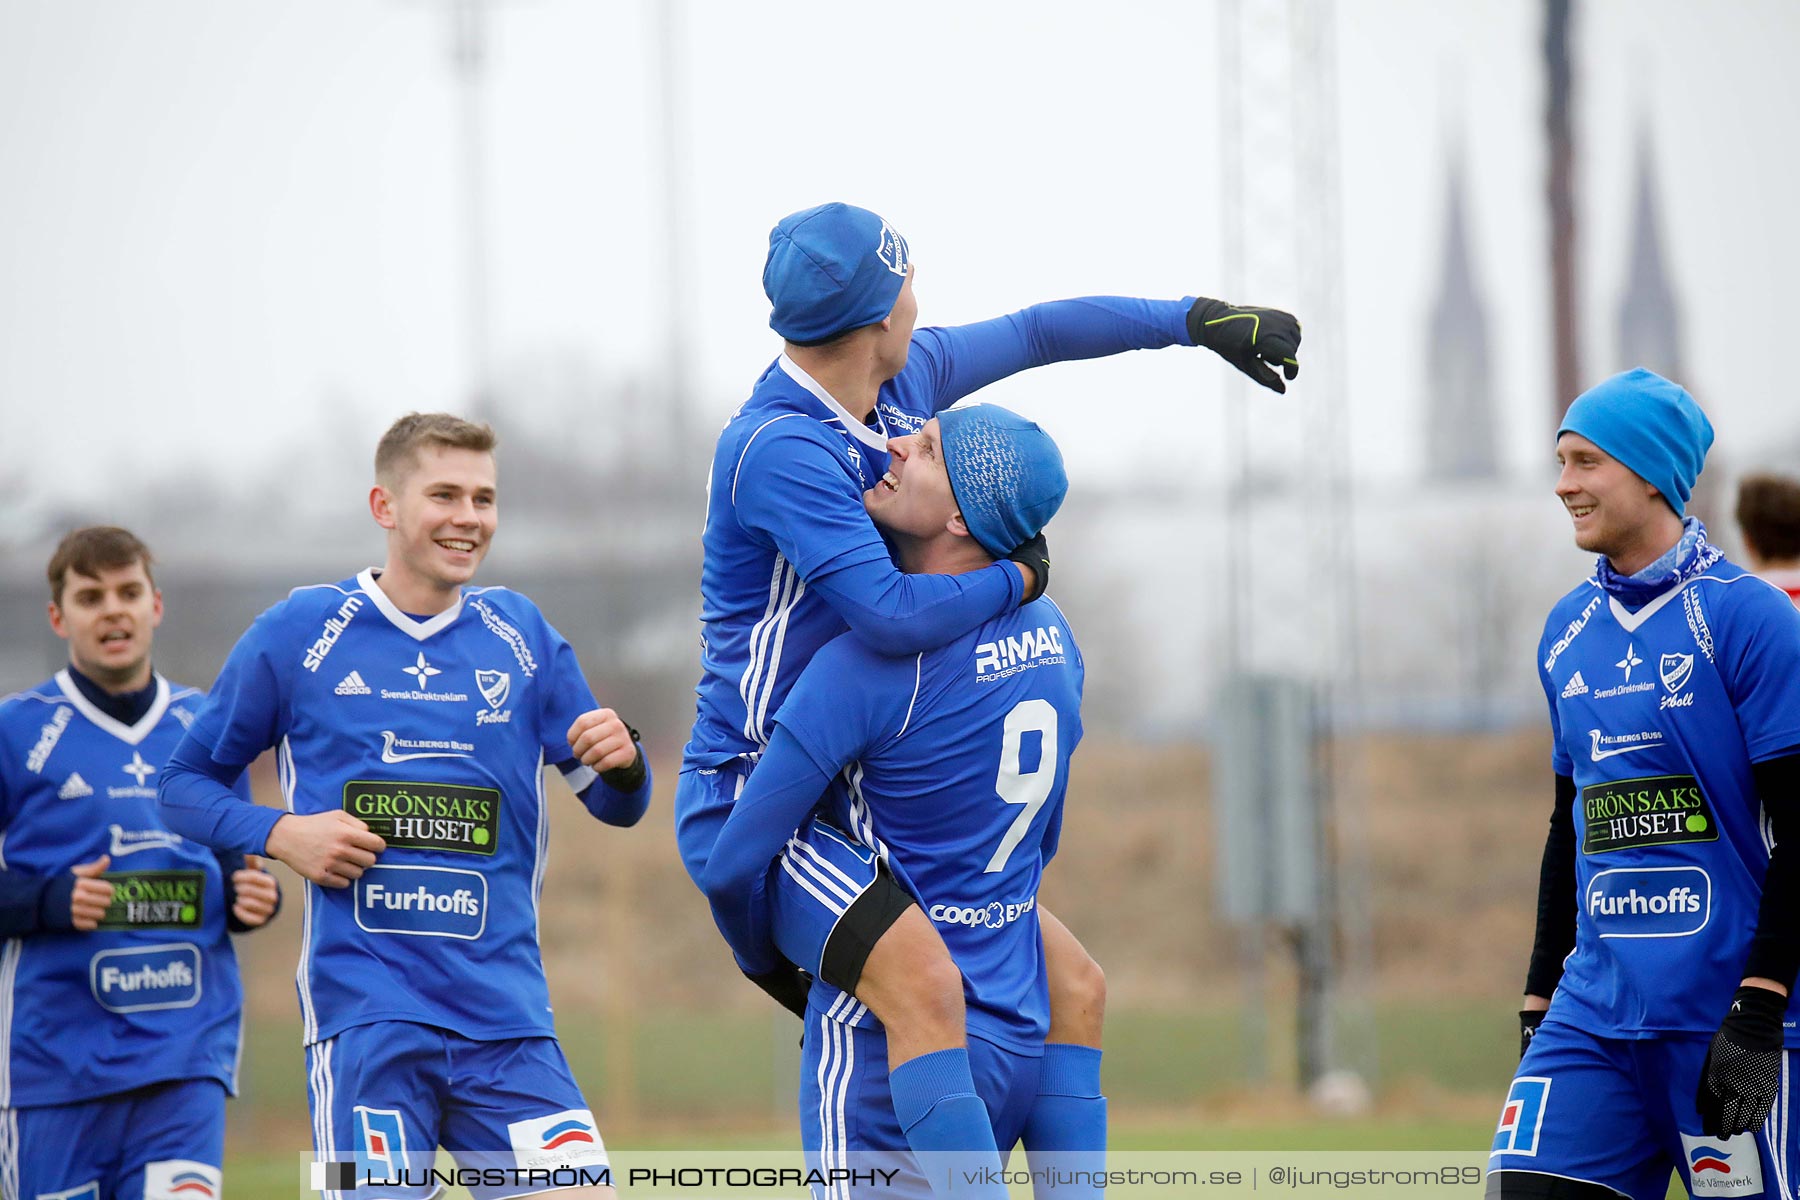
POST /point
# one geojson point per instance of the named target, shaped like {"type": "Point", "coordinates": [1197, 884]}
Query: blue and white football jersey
{"type": "Point", "coordinates": [435, 732]}
{"type": "Point", "coordinates": [960, 763]}
{"type": "Point", "coordinates": [1658, 716]}
{"type": "Point", "coordinates": [785, 502]}
{"type": "Point", "coordinates": [152, 995]}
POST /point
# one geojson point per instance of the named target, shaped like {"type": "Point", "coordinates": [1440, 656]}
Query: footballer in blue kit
{"type": "Point", "coordinates": [412, 718]}
{"type": "Point", "coordinates": [120, 1005]}
{"type": "Point", "coordinates": [956, 761]}
{"type": "Point", "coordinates": [1658, 1027]}
{"type": "Point", "coordinates": [792, 560]}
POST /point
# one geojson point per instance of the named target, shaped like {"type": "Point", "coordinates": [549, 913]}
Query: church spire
{"type": "Point", "coordinates": [1460, 434]}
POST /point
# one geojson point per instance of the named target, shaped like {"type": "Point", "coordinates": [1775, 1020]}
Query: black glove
{"type": "Point", "coordinates": [1529, 1020]}
{"type": "Point", "coordinates": [1250, 339]}
{"type": "Point", "coordinates": [788, 985]}
{"type": "Point", "coordinates": [1036, 555]}
{"type": "Point", "coordinates": [1742, 1072]}
{"type": "Point", "coordinates": [630, 777]}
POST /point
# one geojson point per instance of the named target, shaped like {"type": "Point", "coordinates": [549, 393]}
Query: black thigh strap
{"type": "Point", "coordinates": [869, 916]}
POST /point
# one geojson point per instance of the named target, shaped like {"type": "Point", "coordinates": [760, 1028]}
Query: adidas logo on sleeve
{"type": "Point", "coordinates": [353, 685]}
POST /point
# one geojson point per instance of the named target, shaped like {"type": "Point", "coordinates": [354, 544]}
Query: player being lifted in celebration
{"type": "Point", "coordinates": [1668, 928]}
{"type": "Point", "coordinates": [119, 996]}
{"type": "Point", "coordinates": [792, 561]}
{"type": "Point", "coordinates": [961, 758]}
{"type": "Point", "coordinates": [412, 717]}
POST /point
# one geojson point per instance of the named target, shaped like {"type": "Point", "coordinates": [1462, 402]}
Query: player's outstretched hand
{"type": "Point", "coordinates": [92, 895]}
{"type": "Point", "coordinates": [256, 893]}
{"type": "Point", "coordinates": [1257, 341]}
{"type": "Point", "coordinates": [1742, 1072]}
{"type": "Point", "coordinates": [330, 848]}
{"type": "Point", "coordinates": [602, 741]}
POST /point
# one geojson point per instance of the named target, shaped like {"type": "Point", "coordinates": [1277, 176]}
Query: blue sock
{"type": "Point", "coordinates": [1066, 1129]}
{"type": "Point", "coordinates": [935, 1100]}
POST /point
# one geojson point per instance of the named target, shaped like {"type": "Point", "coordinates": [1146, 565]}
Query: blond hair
{"type": "Point", "coordinates": [398, 451]}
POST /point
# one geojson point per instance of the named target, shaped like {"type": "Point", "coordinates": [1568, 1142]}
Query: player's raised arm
{"type": "Point", "coordinates": [954, 361]}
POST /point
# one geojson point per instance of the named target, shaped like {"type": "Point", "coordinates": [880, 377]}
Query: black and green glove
{"type": "Point", "coordinates": [1254, 340]}
{"type": "Point", "coordinates": [1742, 1072]}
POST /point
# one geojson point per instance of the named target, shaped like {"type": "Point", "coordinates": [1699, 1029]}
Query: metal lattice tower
{"type": "Point", "coordinates": [1290, 580]}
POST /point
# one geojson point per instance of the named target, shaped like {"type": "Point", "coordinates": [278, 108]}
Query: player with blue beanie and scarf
{"type": "Point", "coordinates": [792, 561]}
{"type": "Point", "coordinates": [1657, 1029]}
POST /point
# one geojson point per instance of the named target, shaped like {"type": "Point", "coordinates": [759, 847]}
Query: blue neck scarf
{"type": "Point", "coordinates": [1685, 559]}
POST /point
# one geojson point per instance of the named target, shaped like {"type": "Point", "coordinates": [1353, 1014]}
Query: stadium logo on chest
{"type": "Point", "coordinates": [48, 736]}
{"type": "Point", "coordinates": [333, 630]}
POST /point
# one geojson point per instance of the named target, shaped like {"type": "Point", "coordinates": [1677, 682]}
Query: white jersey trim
{"type": "Point", "coordinates": [131, 735]}
{"type": "Point", "coordinates": [9, 974]}
{"type": "Point", "coordinates": [417, 630]}
{"type": "Point", "coordinates": [874, 439]}
{"type": "Point", "coordinates": [1630, 621]}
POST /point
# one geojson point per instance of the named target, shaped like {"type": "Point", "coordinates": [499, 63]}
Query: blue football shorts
{"type": "Point", "coordinates": [822, 871]}
{"type": "Point", "coordinates": [1620, 1113]}
{"type": "Point", "coordinates": [162, 1142]}
{"type": "Point", "coordinates": [390, 1093]}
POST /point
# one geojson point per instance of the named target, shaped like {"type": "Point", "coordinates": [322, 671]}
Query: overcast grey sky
{"type": "Point", "coordinates": [222, 222]}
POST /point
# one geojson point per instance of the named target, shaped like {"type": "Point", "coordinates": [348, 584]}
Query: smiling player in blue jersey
{"type": "Point", "coordinates": [792, 561]}
{"type": "Point", "coordinates": [413, 716]}
{"type": "Point", "coordinates": [120, 1003]}
{"type": "Point", "coordinates": [958, 762]}
{"type": "Point", "coordinates": [1657, 1021]}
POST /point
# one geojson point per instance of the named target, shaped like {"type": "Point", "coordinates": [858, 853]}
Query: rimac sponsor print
{"type": "Point", "coordinates": [424, 815]}
{"type": "Point", "coordinates": [1041, 647]}
{"type": "Point", "coordinates": [1655, 810]}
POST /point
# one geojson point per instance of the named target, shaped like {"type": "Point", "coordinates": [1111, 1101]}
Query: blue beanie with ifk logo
{"type": "Point", "coordinates": [831, 269]}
